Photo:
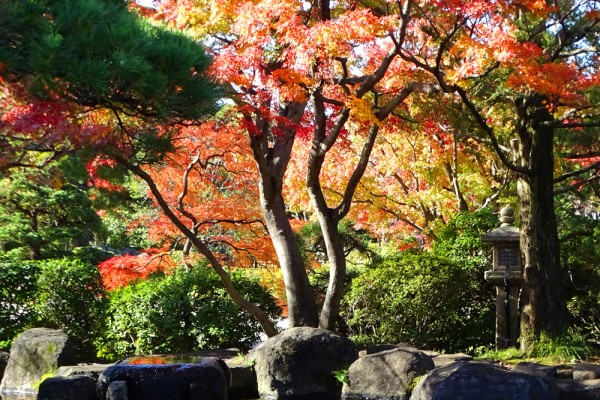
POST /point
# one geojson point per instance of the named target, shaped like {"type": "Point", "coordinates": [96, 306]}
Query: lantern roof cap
{"type": "Point", "coordinates": [507, 233]}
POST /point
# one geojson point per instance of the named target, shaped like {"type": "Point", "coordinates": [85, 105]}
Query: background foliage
{"type": "Point", "coordinates": [418, 298]}
{"type": "Point", "coordinates": [182, 312]}
{"type": "Point", "coordinates": [70, 296]}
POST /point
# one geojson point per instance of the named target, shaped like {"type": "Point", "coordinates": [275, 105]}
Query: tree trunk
{"type": "Point", "coordinates": [543, 306]}
{"type": "Point", "coordinates": [272, 154]}
{"type": "Point", "coordinates": [35, 250]}
{"type": "Point", "coordinates": [302, 309]}
{"type": "Point", "coordinates": [337, 270]}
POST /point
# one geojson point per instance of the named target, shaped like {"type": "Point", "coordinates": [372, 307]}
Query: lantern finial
{"type": "Point", "coordinates": [507, 215]}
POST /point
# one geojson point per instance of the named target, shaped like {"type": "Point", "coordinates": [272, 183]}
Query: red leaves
{"type": "Point", "coordinates": [95, 180]}
{"type": "Point", "coordinates": [120, 271]}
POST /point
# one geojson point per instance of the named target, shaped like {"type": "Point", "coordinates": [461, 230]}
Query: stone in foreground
{"type": "Point", "coordinates": [479, 381]}
{"type": "Point", "coordinates": [207, 379]}
{"type": "Point", "coordinates": [77, 387]}
{"type": "Point", "coordinates": [571, 389]}
{"type": "Point", "coordinates": [387, 375]}
{"type": "Point", "coordinates": [34, 353]}
{"type": "Point", "coordinates": [300, 363]}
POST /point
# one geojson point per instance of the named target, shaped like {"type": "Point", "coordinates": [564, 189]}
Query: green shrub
{"type": "Point", "coordinates": [421, 299]}
{"type": "Point", "coordinates": [71, 297]}
{"type": "Point", "coordinates": [182, 312]}
{"type": "Point", "coordinates": [17, 297]}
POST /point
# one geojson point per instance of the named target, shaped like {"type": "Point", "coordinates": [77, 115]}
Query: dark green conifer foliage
{"type": "Point", "coordinates": [97, 53]}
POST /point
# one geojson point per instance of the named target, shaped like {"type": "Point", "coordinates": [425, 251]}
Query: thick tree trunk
{"type": "Point", "coordinates": [272, 154]}
{"type": "Point", "coordinates": [302, 309]}
{"type": "Point", "coordinates": [543, 306]}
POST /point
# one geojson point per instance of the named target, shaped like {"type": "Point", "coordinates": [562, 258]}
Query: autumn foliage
{"type": "Point", "coordinates": [126, 269]}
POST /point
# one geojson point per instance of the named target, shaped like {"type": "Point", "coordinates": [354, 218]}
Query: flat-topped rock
{"type": "Point", "coordinates": [206, 379]}
{"type": "Point", "coordinates": [91, 370]}
{"type": "Point", "coordinates": [571, 389]}
{"type": "Point", "coordinates": [585, 371]}
{"type": "Point", "coordinates": [536, 369]}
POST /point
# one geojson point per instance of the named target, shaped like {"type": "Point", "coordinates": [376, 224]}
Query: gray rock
{"type": "Point", "coordinates": [479, 381]}
{"type": "Point", "coordinates": [536, 369]}
{"type": "Point", "coordinates": [385, 375]}
{"type": "Point", "coordinates": [571, 389]}
{"type": "Point", "coordinates": [207, 379]}
{"type": "Point", "coordinates": [117, 390]}
{"type": "Point", "coordinates": [34, 353]}
{"type": "Point", "coordinates": [243, 380]}
{"type": "Point", "coordinates": [444, 359]}
{"type": "Point", "coordinates": [300, 363]}
{"type": "Point", "coordinates": [584, 371]}
{"type": "Point", "coordinates": [79, 387]}
{"type": "Point", "coordinates": [92, 370]}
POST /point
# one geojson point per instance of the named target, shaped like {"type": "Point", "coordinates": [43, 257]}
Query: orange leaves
{"type": "Point", "coordinates": [543, 79]}
{"type": "Point", "coordinates": [120, 271]}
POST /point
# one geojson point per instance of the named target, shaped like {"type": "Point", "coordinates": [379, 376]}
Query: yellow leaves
{"type": "Point", "coordinates": [361, 110]}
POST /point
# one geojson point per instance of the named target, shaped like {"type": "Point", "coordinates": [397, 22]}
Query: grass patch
{"type": "Point", "coordinates": [568, 348]}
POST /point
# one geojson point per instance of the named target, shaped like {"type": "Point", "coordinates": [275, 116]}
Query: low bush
{"type": "Point", "coordinates": [418, 298]}
{"type": "Point", "coordinates": [17, 298]}
{"type": "Point", "coordinates": [186, 311]}
{"type": "Point", "coordinates": [70, 296]}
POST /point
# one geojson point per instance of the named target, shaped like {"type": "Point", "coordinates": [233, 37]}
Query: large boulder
{"type": "Point", "coordinates": [300, 363]}
{"type": "Point", "coordinates": [206, 379]}
{"type": "Point", "coordinates": [35, 353]}
{"type": "Point", "coordinates": [483, 381]}
{"type": "Point", "coordinates": [386, 375]}
{"type": "Point", "coordinates": [77, 387]}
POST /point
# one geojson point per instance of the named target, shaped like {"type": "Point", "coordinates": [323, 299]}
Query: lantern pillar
{"type": "Point", "coordinates": [506, 276]}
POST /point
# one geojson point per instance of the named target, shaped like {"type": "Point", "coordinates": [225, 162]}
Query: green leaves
{"type": "Point", "coordinates": [418, 298]}
{"type": "Point", "coordinates": [182, 312]}
{"type": "Point", "coordinates": [17, 294]}
{"type": "Point", "coordinates": [44, 211]}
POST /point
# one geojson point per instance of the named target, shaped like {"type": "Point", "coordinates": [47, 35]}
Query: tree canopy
{"type": "Point", "coordinates": [396, 115]}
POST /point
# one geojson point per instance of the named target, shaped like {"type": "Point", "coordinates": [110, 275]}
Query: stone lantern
{"type": "Point", "coordinates": [506, 276]}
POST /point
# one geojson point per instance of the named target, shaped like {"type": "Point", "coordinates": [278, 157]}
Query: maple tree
{"type": "Point", "coordinates": [527, 73]}
{"type": "Point", "coordinates": [343, 68]}
{"type": "Point", "coordinates": [320, 72]}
